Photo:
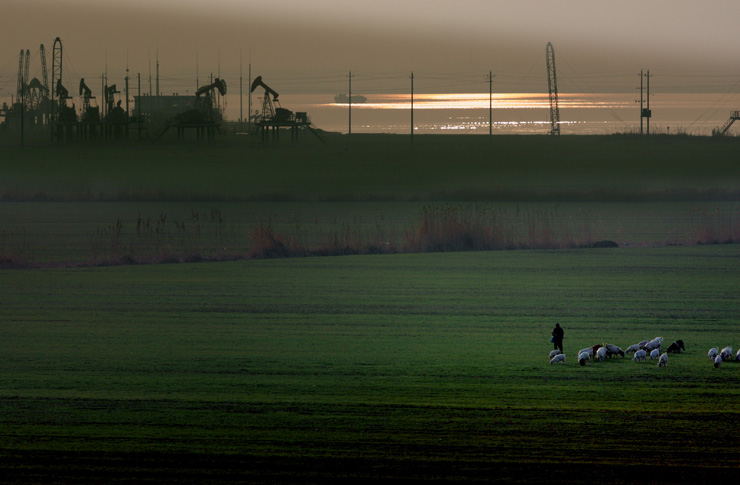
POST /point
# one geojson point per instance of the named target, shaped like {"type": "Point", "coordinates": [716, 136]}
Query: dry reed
{"type": "Point", "coordinates": [441, 229]}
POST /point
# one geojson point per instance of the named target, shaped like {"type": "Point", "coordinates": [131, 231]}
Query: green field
{"type": "Point", "coordinates": [429, 367]}
{"type": "Point", "coordinates": [393, 366]}
{"type": "Point", "coordinates": [382, 167]}
{"type": "Point", "coordinates": [87, 204]}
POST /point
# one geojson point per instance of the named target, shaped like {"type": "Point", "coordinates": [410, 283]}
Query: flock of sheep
{"type": "Point", "coordinates": [642, 351]}
{"type": "Point", "coordinates": [719, 356]}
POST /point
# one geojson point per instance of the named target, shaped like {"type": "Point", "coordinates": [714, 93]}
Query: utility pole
{"type": "Point", "coordinates": [127, 110]}
{"type": "Point", "coordinates": [218, 75]}
{"type": "Point", "coordinates": [649, 113]}
{"type": "Point", "coordinates": [105, 96]}
{"type": "Point", "coordinates": [350, 102]}
{"type": "Point", "coordinates": [105, 83]}
{"type": "Point", "coordinates": [150, 74]}
{"type": "Point", "coordinates": [157, 70]}
{"type": "Point", "coordinates": [645, 112]}
{"type": "Point", "coordinates": [138, 106]}
{"type": "Point", "coordinates": [412, 107]}
{"type": "Point", "coordinates": [642, 112]}
{"type": "Point", "coordinates": [127, 106]}
{"type": "Point", "coordinates": [490, 104]}
{"type": "Point", "coordinates": [23, 109]}
{"type": "Point", "coordinates": [241, 103]}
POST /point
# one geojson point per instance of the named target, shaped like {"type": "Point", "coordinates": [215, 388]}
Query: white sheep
{"type": "Point", "coordinates": [589, 351]}
{"type": "Point", "coordinates": [554, 353]}
{"type": "Point", "coordinates": [639, 355]}
{"type": "Point", "coordinates": [583, 357]}
{"type": "Point", "coordinates": [717, 361]}
{"type": "Point", "coordinates": [713, 352]}
{"type": "Point", "coordinates": [654, 354]}
{"type": "Point", "coordinates": [558, 359]}
{"type": "Point", "coordinates": [632, 348]}
{"type": "Point", "coordinates": [656, 343]}
{"type": "Point", "coordinates": [663, 360]}
{"type": "Point", "coordinates": [613, 350]}
{"type": "Point", "coordinates": [643, 344]}
{"type": "Point", "coordinates": [737, 357]}
{"type": "Point", "coordinates": [601, 354]}
{"type": "Point", "coordinates": [726, 353]}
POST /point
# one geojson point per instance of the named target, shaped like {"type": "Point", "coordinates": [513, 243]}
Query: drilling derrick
{"type": "Point", "coordinates": [552, 85]}
{"type": "Point", "coordinates": [18, 110]}
{"type": "Point", "coordinates": [45, 102]}
{"type": "Point", "coordinates": [27, 61]}
{"type": "Point", "coordinates": [44, 72]}
{"type": "Point", "coordinates": [56, 80]}
{"type": "Point", "coordinates": [20, 86]}
{"type": "Point", "coordinates": [37, 95]}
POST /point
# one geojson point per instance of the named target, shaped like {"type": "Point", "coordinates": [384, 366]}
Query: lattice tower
{"type": "Point", "coordinates": [552, 85]}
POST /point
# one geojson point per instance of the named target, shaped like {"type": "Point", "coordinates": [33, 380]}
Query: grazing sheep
{"type": "Point", "coordinates": [643, 344]}
{"type": "Point", "coordinates": [654, 354]}
{"type": "Point", "coordinates": [632, 348]}
{"type": "Point", "coordinates": [589, 351]}
{"type": "Point", "coordinates": [737, 357]}
{"type": "Point", "coordinates": [726, 353]}
{"type": "Point", "coordinates": [596, 348]}
{"type": "Point", "coordinates": [656, 343]}
{"type": "Point", "coordinates": [558, 359]}
{"type": "Point", "coordinates": [614, 350]}
{"type": "Point", "coordinates": [713, 352]}
{"type": "Point", "coordinates": [676, 347]}
{"type": "Point", "coordinates": [554, 353]}
{"type": "Point", "coordinates": [717, 361]}
{"type": "Point", "coordinates": [639, 355]}
{"type": "Point", "coordinates": [663, 360]}
{"type": "Point", "coordinates": [583, 357]}
{"type": "Point", "coordinates": [601, 354]}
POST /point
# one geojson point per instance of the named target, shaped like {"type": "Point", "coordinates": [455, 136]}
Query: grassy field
{"type": "Point", "coordinates": [92, 204]}
{"type": "Point", "coordinates": [63, 233]}
{"type": "Point", "coordinates": [396, 367]}
{"type": "Point", "coordinates": [410, 367]}
{"type": "Point", "coordinates": [382, 167]}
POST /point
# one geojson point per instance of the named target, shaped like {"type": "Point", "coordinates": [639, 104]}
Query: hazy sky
{"type": "Point", "coordinates": [450, 45]}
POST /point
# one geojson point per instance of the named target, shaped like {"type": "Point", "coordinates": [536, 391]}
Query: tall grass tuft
{"type": "Point", "coordinates": [440, 229]}
{"type": "Point", "coordinates": [717, 226]}
{"type": "Point", "coordinates": [15, 251]}
{"type": "Point", "coordinates": [346, 239]}
{"type": "Point", "coordinates": [265, 243]}
{"type": "Point", "coordinates": [457, 228]}
{"type": "Point", "coordinates": [205, 236]}
{"type": "Point", "coordinates": [477, 228]}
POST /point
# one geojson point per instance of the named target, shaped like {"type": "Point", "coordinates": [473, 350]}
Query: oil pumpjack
{"type": "Point", "coordinates": [203, 116]}
{"type": "Point", "coordinates": [90, 119]}
{"type": "Point", "coordinates": [204, 110]}
{"type": "Point", "coordinates": [274, 117]}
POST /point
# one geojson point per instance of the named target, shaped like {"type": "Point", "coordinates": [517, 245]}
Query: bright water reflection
{"type": "Point", "coordinates": [512, 113]}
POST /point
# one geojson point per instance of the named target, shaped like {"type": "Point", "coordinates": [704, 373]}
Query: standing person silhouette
{"type": "Point", "coordinates": [557, 337]}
